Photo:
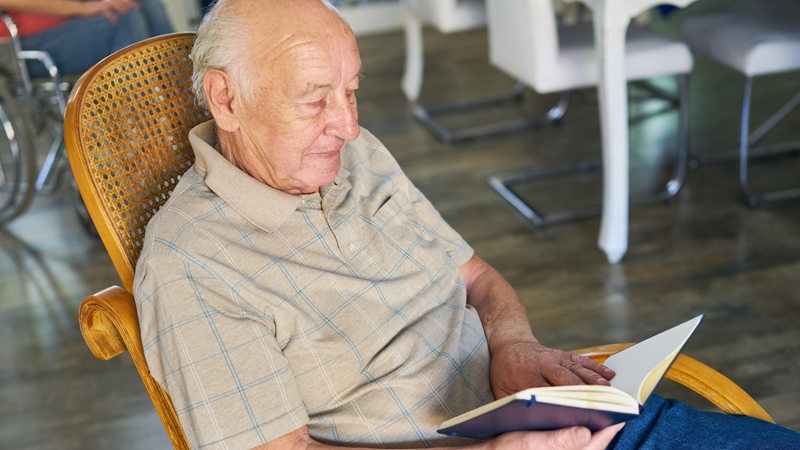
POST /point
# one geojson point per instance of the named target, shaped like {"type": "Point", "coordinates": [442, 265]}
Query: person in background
{"type": "Point", "coordinates": [77, 34]}
{"type": "Point", "coordinates": [297, 291]}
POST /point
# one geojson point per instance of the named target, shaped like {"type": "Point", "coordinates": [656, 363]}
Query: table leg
{"type": "Point", "coordinates": [412, 73]}
{"type": "Point", "coordinates": [613, 104]}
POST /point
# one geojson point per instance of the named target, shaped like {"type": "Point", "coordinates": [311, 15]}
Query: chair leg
{"type": "Point", "coordinates": [674, 185]}
{"type": "Point", "coordinates": [504, 185]}
{"type": "Point", "coordinates": [425, 116]}
{"type": "Point", "coordinates": [747, 142]}
{"type": "Point", "coordinates": [749, 197]}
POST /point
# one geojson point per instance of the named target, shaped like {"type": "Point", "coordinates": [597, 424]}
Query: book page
{"type": "Point", "coordinates": [597, 397]}
{"type": "Point", "coordinates": [640, 367]}
{"type": "Point", "coordinates": [588, 396]}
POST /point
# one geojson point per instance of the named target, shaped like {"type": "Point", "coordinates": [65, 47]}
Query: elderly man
{"type": "Point", "coordinates": [297, 290]}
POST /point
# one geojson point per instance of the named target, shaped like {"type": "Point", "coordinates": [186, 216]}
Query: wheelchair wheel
{"type": "Point", "coordinates": [17, 159]}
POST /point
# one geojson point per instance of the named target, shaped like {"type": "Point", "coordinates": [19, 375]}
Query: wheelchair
{"type": "Point", "coordinates": [32, 117]}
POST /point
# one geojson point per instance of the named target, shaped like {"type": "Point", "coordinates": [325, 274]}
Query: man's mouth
{"type": "Point", "coordinates": [328, 153]}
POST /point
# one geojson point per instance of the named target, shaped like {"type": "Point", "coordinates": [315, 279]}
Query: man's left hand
{"type": "Point", "coordinates": [523, 365]}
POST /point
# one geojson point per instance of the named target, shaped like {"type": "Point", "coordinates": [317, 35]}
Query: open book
{"type": "Point", "coordinates": [639, 368]}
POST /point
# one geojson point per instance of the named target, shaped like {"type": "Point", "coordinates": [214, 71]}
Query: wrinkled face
{"type": "Point", "coordinates": [304, 108]}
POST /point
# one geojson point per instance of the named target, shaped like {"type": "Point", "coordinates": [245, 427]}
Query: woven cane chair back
{"type": "Point", "coordinates": [126, 132]}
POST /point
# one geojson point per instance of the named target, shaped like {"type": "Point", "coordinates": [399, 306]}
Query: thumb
{"type": "Point", "coordinates": [581, 438]}
{"type": "Point", "coordinates": [570, 438]}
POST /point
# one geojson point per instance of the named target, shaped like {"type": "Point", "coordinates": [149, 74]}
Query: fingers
{"type": "Point", "coordinates": [572, 438]}
{"type": "Point", "coordinates": [602, 438]}
{"type": "Point", "coordinates": [604, 371]}
{"type": "Point", "coordinates": [589, 371]}
{"type": "Point", "coordinates": [582, 438]}
{"type": "Point", "coordinates": [521, 366]}
{"type": "Point", "coordinates": [574, 369]}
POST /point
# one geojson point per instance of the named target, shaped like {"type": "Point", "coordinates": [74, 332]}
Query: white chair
{"type": "Point", "coordinates": [753, 43]}
{"type": "Point", "coordinates": [527, 42]}
{"type": "Point", "coordinates": [449, 16]}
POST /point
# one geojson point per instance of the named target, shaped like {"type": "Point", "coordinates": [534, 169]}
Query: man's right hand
{"type": "Point", "coordinates": [573, 438]}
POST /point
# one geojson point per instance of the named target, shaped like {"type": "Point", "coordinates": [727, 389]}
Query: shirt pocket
{"type": "Point", "coordinates": [392, 240]}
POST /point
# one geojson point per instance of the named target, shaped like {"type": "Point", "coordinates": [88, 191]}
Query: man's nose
{"type": "Point", "coordinates": [344, 119]}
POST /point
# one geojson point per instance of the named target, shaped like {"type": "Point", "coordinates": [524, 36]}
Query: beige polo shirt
{"type": "Point", "coordinates": [262, 311]}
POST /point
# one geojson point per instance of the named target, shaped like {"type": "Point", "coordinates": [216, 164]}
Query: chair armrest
{"type": "Point", "coordinates": [700, 378]}
{"type": "Point", "coordinates": [109, 323]}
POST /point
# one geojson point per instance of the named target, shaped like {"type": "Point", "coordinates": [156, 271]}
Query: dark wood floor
{"type": "Point", "coordinates": [703, 252]}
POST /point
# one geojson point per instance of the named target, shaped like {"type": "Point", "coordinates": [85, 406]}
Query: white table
{"type": "Point", "coordinates": [611, 18]}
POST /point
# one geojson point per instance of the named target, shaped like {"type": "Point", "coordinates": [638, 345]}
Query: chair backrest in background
{"type": "Point", "coordinates": [449, 15]}
{"type": "Point", "coordinates": [523, 40]}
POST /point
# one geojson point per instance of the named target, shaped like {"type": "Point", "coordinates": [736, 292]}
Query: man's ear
{"type": "Point", "coordinates": [220, 96]}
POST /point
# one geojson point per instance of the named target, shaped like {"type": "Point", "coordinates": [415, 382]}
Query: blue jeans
{"type": "Point", "coordinates": [670, 424]}
{"type": "Point", "coordinates": [79, 43]}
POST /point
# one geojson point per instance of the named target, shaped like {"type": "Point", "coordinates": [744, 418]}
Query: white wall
{"type": "Point", "coordinates": [185, 14]}
{"type": "Point", "coordinates": [369, 18]}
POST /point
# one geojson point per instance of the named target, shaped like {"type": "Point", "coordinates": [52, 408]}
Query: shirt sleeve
{"type": "Point", "coordinates": [217, 358]}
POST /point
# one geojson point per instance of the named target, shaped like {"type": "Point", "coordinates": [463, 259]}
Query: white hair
{"type": "Point", "coordinates": [221, 43]}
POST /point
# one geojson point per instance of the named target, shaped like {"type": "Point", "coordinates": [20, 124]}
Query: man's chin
{"type": "Point", "coordinates": [326, 171]}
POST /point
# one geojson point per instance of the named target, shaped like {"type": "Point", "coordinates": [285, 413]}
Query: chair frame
{"type": "Point", "coordinates": [505, 184]}
{"type": "Point", "coordinates": [748, 141]}
{"type": "Point", "coordinates": [110, 326]}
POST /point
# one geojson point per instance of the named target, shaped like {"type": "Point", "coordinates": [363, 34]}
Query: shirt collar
{"type": "Point", "coordinates": [262, 205]}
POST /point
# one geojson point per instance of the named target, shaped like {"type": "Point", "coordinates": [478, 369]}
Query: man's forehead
{"type": "Point", "coordinates": [282, 28]}
{"type": "Point", "coordinates": [311, 61]}
{"type": "Point", "coordinates": [310, 80]}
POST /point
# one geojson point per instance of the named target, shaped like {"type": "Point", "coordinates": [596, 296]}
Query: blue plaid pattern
{"type": "Point", "coordinates": [262, 312]}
